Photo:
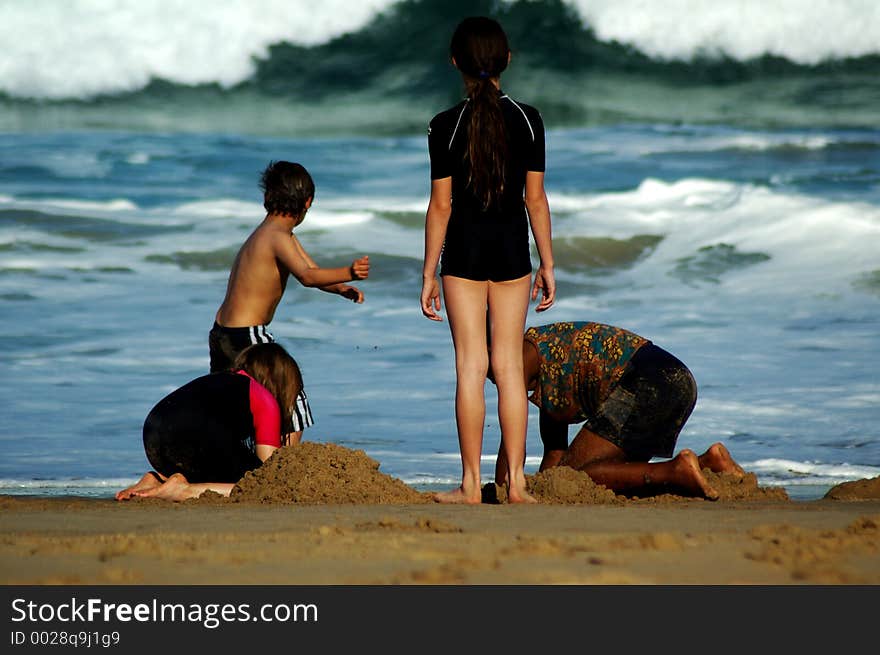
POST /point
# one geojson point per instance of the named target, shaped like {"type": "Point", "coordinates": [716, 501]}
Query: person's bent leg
{"type": "Point", "coordinates": [466, 310]}
{"type": "Point", "coordinates": [608, 465]}
{"type": "Point", "coordinates": [508, 305]}
{"type": "Point", "coordinates": [681, 475]}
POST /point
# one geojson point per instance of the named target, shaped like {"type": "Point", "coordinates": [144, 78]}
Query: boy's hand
{"type": "Point", "coordinates": [360, 268]}
{"type": "Point", "coordinates": [352, 293]}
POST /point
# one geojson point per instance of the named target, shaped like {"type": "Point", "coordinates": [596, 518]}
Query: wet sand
{"type": "Point", "coordinates": [339, 520]}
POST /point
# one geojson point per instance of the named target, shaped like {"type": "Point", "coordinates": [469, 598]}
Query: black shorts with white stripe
{"type": "Point", "coordinates": [225, 343]}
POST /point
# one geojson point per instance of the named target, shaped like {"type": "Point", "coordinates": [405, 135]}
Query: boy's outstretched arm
{"type": "Point", "coordinates": [346, 291]}
{"type": "Point", "coordinates": [294, 257]}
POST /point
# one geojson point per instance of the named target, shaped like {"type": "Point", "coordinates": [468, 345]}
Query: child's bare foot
{"type": "Point", "coordinates": [718, 459]}
{"type": "Point", "coordinates": [516, 488]}
{"type": "Point", "coordinates": [688, 475]}
{"type": "Point", "coordinates": [150, 480]}
{"type": "Point", "coordinates": [175, 488]}
{"type": "Point", "coordinates": [520, 496]}
{"type": "Point", "coordinates": [459, 497]}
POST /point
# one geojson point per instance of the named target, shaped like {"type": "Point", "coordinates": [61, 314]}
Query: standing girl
{"type": "Point", "coordinates": [487, 187]}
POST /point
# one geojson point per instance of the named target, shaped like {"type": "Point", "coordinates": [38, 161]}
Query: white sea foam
{"type": "Point", "coordinates": [91, 47]}
{"type": "Point", "coordinates": [218, 208]}
{"type": "Point", "coordinates": [794, 230]}
{"type": "Point", "coordinates": [93, 487]}
{"type": "Point", "coordinates": [793, 472]}
{"type": "Point", "coordinates": [805, 32]}
{"type": "Point", "coordinates": [319, 219]}
{"type": "Point", "coordinates": [94, 47]}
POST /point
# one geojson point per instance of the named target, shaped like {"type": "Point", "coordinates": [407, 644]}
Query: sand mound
{"type": "Point", "coordinates": [322, 473]}
{"type": "Point", "coordinates": [559, 485]}
{"type": "Point", "coordinates": [867, 489]}
{"type": "Point", "coordinates": [562, 485]}
{"type": "Point", "coordinates": [326, 473]}
{"type": "Point", "coordinates": [729, 488]}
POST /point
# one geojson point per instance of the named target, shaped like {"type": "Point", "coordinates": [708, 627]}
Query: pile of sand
{"type": "Point", "coordinates": [327, 473]}
{"type": "Point", "coordinates": [867, 489]}
{"type": "Point", "coordinates": [562, 485]}
{"type": "Point", "coordinates": [559, 485]}
{"type": "Point", "coordinates": [322, 473]}
{"type": "Point", "coordinates": [730, 488]}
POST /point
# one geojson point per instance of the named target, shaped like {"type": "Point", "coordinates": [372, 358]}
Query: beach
{"type": "Point", "coordinates": [343, 522]}
{"type": "Point", "coordinates": [60, 541]}
{"type": "Point", "coordinates": [714, 182]}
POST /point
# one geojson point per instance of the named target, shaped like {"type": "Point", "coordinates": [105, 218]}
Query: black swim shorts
{"type": "Point", "coordinates": [648, 407]}
{"type": "Point", "coordinates": [225, 343]}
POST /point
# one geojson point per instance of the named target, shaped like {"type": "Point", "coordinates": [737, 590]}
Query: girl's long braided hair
{"type": "Point", "coordinates": [481, 52]}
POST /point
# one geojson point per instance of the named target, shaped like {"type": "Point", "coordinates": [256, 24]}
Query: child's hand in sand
{"type": "Point", "coordinates": [360, 268]}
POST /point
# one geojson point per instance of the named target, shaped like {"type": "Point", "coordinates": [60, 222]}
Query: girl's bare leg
{"type": "Point", "coordinates": [150, 480]}
{"type": "Point", "coordinates": [177, 488]}
{"type": "Point", "coordinates": [508, 304]}
{"type": "Point", "coordinates": [466, 310]}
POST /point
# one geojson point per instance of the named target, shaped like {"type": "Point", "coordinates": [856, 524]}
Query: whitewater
{"type": "Point", "coordinates": [109, 47]}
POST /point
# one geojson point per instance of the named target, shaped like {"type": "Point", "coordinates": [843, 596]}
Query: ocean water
{"type": "Point", "coordinates": [716, 190]}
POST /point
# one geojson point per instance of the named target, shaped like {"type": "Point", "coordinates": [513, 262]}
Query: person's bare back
{"type": "Point", "coordinates": [257, 279]}
{"type": "Point", "coordinates": [259, 274]}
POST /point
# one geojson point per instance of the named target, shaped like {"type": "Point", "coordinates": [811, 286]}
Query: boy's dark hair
{"type": "Point", "coordinates": [286, 188]}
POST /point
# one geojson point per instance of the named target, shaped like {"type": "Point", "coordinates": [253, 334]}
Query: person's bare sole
{"type": "Point", "coordinates": [150, 480]}
{"type": "Point", "coordinates": [689, 476]}
{"type": "Point", "coordinates": [718, 459]}
{"type": "Point", "coordinates": [175, 488]}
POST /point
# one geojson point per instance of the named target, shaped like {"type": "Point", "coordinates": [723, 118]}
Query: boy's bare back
{"type": "Point", "coordinates": [257, 279]}
{"type": "Point", "coordinates": [259, 274]}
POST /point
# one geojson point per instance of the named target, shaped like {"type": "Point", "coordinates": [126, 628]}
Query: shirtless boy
{"type": "Point", "coordinates": [259, 274]}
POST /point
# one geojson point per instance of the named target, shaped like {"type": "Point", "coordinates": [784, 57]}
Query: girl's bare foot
{"type": "Point", "coordinates": [688, 475]}
{"type": "Point", "coordinates": [516, 492]}
{"type": "Point", "coordinates": [175, 488]}
{"type": "Point", "coordinates": [150, 480]}
{"type": "Point", "coordinates": [459, 497]}
{"type": "Point", "coordinates": [718, 459]}
{"type": "Point", "coordinates": [520, 496]}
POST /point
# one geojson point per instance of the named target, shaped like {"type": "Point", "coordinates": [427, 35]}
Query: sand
{"type": "Point", "coordinates": [323, 514]}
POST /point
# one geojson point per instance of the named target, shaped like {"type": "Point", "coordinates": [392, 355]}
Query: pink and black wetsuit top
{"type": "Point", "coordinates": [208, 429]}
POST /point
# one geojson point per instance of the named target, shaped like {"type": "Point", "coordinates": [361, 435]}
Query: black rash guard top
{"type": "Point", "coordinates": [487, 243]}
